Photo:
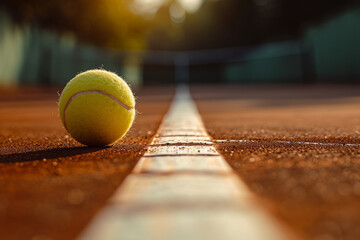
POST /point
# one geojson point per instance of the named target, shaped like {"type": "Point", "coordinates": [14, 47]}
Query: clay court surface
{"type": "Point", "coordinates": [52, 186]}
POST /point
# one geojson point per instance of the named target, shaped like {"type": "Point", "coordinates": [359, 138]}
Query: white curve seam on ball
{"type": "Point", "coordinates": [93, 91]}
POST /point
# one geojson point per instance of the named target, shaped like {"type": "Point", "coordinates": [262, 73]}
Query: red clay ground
{"type": "Point", "coordinates": [50, 185]}
{"type": "Point", "coordinates": [315, 190]}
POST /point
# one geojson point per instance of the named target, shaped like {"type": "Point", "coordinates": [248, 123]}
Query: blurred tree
{"type": "Point", "coordinates": [170, 26]}
{"type": "Point", "coordinates": [229, 23]}
{"type": "Point", "coordinates": [108, 23]}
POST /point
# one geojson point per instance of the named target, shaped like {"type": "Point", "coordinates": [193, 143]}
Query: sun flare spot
{"type": "Point", "coordinates": [150, 7]}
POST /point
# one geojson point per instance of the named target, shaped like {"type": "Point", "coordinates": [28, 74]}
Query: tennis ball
{"type": "Point", "coordinates": [97, 107]}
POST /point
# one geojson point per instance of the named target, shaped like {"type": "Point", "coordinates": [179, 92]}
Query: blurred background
{"type": "Point", "coordinates": [47, 42]}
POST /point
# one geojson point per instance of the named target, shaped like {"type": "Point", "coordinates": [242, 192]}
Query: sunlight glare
{"type": "Point", "coordinates": [190, 6]}
{"type": "Point", "coordinates": [150, 7]}
{"type": "Point", "coordinates": [147, 6]}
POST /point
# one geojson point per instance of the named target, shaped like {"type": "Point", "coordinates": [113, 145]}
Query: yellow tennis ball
{"type": "Point", "coordinates": [97, 107]}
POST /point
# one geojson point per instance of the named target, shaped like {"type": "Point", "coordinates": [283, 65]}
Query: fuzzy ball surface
{"type": "Point", "coordinates": [97, 107]}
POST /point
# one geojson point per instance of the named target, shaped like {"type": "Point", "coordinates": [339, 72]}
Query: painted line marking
{"type": "Point", "coordinates": [183, 191]}
{"type": "Point", "coordinates": [179, 140]}
{"type": "Point", "coordinates": [286, 142]}
{"type": "Point", "coordinates": [177, 154]}
{"type": "Point", "coordinates": [184, 135]}
{"type": "Point", "coordinates": [181, 163]}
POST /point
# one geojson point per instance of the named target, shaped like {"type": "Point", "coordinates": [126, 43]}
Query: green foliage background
{"type": "Point", "coordinates": [218, 23]}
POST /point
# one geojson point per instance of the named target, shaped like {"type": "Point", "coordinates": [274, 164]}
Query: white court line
{"type": "Point", "coordinates": [287, 142]}
{"type": "Point", "coordinates": [183, 192]}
